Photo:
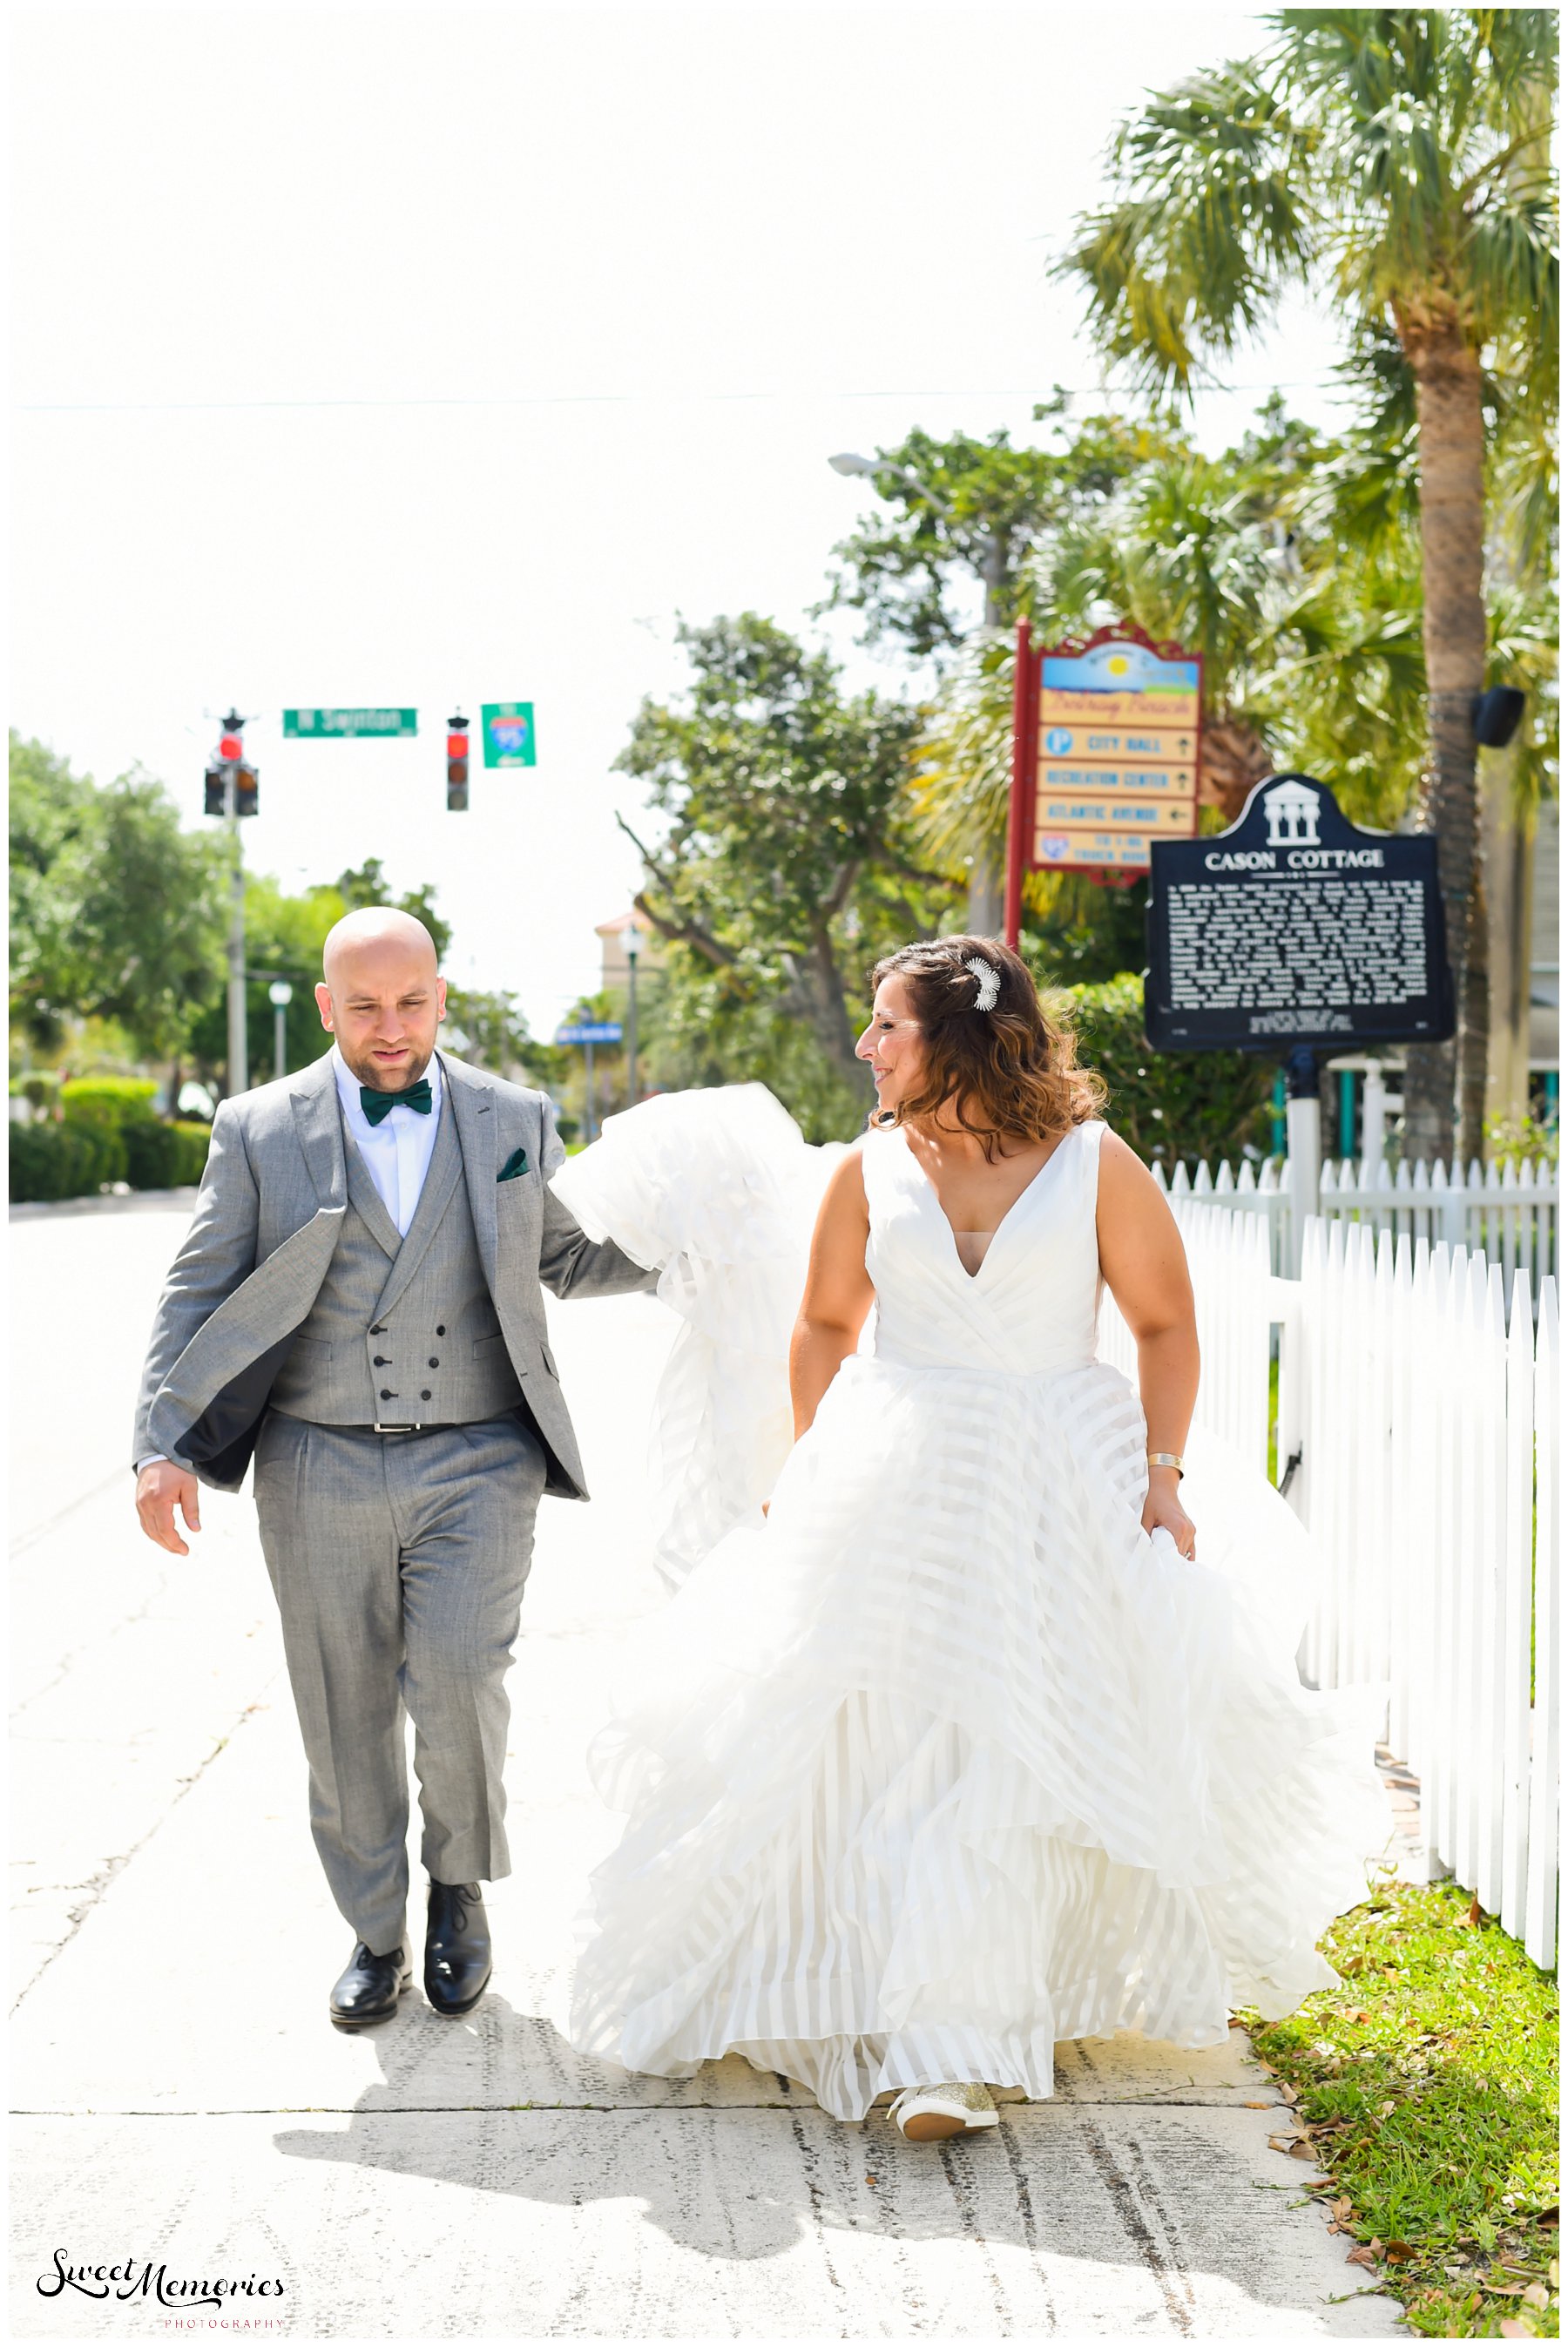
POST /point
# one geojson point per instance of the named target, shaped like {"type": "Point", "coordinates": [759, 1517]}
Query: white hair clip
{"type": "Point", "coordinates": [988, 978]}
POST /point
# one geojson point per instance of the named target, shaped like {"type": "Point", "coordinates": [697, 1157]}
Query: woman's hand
{"type": "Point", "coordinates": [1164, 1511]}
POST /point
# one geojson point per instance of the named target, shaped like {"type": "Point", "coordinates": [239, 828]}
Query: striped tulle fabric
{"type": "Point", "coordinates": [947, 1761]}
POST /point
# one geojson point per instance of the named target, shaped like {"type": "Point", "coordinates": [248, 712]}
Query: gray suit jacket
{"type": "Point", "coordinates": [267, 1219]}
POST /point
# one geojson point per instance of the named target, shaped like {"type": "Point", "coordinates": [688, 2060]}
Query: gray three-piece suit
{"type": "Point", "coordinates": [293, 1321]}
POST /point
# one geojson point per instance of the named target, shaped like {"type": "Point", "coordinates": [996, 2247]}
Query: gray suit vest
{"type": "Point", "coordinates": [402, 1328]}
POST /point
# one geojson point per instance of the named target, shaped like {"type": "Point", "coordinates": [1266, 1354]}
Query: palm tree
{"type": "Point", "coordinates": [1398, 159]}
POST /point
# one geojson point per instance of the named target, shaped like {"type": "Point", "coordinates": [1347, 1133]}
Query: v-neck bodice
{"type": "Point", "coordinates": [1030, 1307]}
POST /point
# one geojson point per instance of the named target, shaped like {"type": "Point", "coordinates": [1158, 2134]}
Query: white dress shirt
{"type": "Point", "coordinates": [397, 1151]}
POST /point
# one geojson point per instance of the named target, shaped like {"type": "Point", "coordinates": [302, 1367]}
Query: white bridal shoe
{"type": "Point", "coordinates": [925, 2114]}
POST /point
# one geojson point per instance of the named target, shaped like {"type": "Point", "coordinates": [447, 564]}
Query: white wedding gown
{"type": "Point", "coordinates": [946, 1760]}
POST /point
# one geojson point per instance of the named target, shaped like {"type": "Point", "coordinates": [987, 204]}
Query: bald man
{"type": "Point", "coordinates": [358, 1305]}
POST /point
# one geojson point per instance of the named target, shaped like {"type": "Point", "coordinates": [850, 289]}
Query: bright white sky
{"type": "Point", "coordinates": [428, 356]}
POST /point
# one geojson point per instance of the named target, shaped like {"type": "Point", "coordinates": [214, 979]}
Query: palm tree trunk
{"type": "Point", "coordinates": [1232, 760]}
{"type": "Point", "coordinates": [1452, 446]}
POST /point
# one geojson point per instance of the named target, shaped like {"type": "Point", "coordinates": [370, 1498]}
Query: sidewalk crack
{"type": "Point", "coordinates": [97, 1884]}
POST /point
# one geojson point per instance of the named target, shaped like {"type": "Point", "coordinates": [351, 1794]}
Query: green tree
{"type": "Point", "coordinates": [496, 1036]}
{"type": "Point", "coordinates": [51, 809]}
{"type": "Point", "coordinates": [785, 866]}
{"type": "Point", "coordinates": [115, 912]}
{"type": "Point", "coordinates": [1398, 160]}
{"type": "Point", "coordinates": [967, 509]}
{"type": "Point", "coordinates": [367, 886]}
{"type": "Point", "coordinates": [283, 938]}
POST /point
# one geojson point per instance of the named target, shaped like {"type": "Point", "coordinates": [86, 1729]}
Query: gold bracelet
{"type": "Point", "coordinates": [1167, 1459]}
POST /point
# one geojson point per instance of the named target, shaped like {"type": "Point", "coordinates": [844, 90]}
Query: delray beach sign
{"type": "Point", "coordinates": [1107, 735]}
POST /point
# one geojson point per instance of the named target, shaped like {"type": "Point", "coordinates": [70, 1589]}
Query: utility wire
{"type": "Point", "coordinates": [599, 399]}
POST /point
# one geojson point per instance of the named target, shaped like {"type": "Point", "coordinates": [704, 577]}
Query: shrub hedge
{"type": "Point", "coordinates": [113, 1102]}
{"type": "Point", "coordinates": [64, 1161]}
{"type": "Point", "coordinates": [76, 1158]}
{"type": "Point", "coordinates": [1166, 1104]}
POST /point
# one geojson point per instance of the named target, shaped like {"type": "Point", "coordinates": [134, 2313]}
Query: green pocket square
{"type": "Point", "coordinates": [517, 1163]}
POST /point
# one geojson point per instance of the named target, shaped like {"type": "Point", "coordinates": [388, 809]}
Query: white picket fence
{"type": "Point", "coordinates": [1511, 1216]}
{"type": "Point", "coordinates": [1422, 1417]}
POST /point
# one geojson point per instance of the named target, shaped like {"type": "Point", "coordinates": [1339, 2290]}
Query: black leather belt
{"type": "Point", "coordinates": [412, 1426]}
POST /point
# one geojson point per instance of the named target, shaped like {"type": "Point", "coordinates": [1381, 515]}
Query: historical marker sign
{"type": "Point", "coordinates": [508, 731]}
{"type": "Point", "coordinates": [1295, 926]}
{"type": "Point", "coordinates": [349, 724]}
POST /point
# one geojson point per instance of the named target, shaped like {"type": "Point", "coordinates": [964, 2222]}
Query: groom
{"type": "Point", "coordinates": [358, 1303]}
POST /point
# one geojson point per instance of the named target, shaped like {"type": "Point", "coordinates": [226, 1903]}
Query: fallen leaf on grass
{"type": "Point", "coordinates": [1398, 2252]}
{"type": "Point", "coordinates": [1302, 2149]}
{"type": "Point", "coordinates": [1343, 2208]}
{"type": "Point", "coordinates": [1362, 2256]}
{"type": "Point", "coordinates": [1291, 2094]}
{"type": "Point", "coordinates": [1283, 2142]}
{"type": "Point", "coordinates": [1508, 2329]}
{"type": "Point", "coordinates": [1537, 2295]}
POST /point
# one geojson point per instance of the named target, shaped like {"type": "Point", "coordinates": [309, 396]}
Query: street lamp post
{"type": "Point", "coordinates": [281, 994]}
{"type": "Point", "coordinates": [633, 947]}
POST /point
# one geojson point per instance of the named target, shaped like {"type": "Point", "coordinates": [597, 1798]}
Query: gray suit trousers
{"type": "Point", "coordinates": [398, 1563]}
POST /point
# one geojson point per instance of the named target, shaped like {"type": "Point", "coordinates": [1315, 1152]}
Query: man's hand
{"type": "Point", "coordinates": [159, 1488]}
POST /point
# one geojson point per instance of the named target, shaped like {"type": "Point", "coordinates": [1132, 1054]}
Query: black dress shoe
{"type": "Point", "coordinates": [456, 1947]}
{"type": "Point", "coordinates": [370, 1988]}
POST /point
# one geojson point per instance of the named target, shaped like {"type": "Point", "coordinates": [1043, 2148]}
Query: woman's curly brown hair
{"type": "Point", "coordinates": [1007, 1073]}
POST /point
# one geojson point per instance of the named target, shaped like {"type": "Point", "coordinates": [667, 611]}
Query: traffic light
{"type": "Point", "coordinates": [457, 766]}
{"type": "Point", "coordinates": [228, 765]}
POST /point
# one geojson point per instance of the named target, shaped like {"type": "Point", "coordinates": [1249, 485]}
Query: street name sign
{"type": "Point", "coordinates": [508, 733]}
{"type": "Point", "coordinates": [349, 724]}
{"type": "Point", "coordinates": [604, 1031]}
{"type": "Point", "coordinates": [1296, 927]}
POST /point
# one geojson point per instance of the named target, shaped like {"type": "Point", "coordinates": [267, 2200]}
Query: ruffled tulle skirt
{"type": "Point", "coordinates": [948, 1761]}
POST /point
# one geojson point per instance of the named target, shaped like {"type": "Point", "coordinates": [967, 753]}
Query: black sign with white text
{"type": "Point", "coordinates": [1295, 926]}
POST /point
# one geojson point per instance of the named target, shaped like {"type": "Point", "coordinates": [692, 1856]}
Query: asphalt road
{"type": "Point", "coordinates": [183, 2104]}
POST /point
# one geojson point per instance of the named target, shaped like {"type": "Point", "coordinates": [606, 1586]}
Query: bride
{"type": "Point", "coordinates": [974, 1743]}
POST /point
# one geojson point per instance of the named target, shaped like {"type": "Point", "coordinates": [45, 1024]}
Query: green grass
{"type": "Point", "coordinates": [1428, 2082]}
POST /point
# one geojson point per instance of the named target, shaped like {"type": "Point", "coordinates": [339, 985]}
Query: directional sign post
{"type": "Point", "coordinates": [350, 725]}
{"type": "Point", "coordinates": [508, 731]}
{"type": "Point", "coordinates": [588, 1032]}
{"type": "Point", "coordinates": [1106, 736]}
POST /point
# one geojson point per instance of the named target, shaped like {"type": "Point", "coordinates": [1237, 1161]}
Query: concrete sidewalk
{"type": "Point", "coordinates": [183, 2100]}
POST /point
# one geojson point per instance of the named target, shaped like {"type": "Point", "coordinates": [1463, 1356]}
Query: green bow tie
{"type": "Point", "coordinates": [379, 1104]}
